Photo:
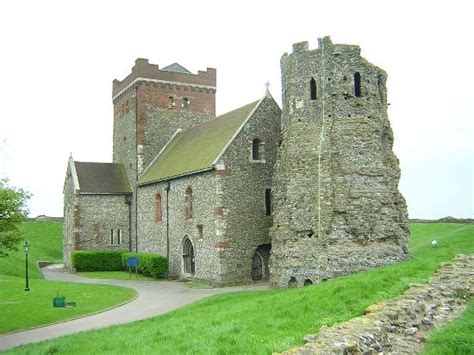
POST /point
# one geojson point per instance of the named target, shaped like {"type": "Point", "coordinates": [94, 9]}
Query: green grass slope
{"type": "Point", "coordinates": [274, 320]}
{"type": "Point", "coordinates": [20, 309]}
{"type": "Point", "coordinates": [45, 239]}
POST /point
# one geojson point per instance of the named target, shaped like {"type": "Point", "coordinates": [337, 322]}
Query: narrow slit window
{"type": "Point", "coordinates": [256, 149]}
{"type": "Point", "coordinates": [312, 87]}
{"type": "Point", "coordinates": [111, 237]}
{"type": "Point", "coordinates": [119, 236]}
{"type": "Point", "coordinates": [268, 202]}
{"type": "Point", "coordinates": [357, 91]}
{"type": "Point", "coordinates": [170, 102]}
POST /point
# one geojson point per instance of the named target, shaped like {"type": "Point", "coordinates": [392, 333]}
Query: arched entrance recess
{"type": "Point", "coordinates": [260, 261]}
{"type": "Point", "coordinates": [189, 264]}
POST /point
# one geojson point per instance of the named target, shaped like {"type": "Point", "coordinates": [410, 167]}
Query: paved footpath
{"type": "Point", "coordinates": [155, 297]}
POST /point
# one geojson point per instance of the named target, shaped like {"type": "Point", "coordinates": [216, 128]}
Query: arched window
{"type": "Point", "coordinates": [357, 90]}
{"type": "Point", "coordinates": [158, 214]}
{"type": "Point", "coordinates": [188, 203]}
{"type": "Point", "coordinates": [256, 154]}
{"type": "Point", "coordinates": [170, 102]}
{"type": "Point", "coordinates": [312, 87]}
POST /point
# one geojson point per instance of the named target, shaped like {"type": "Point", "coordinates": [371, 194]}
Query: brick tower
{"type": "Point", "coordinates": [337, 205]}
{"type": "Point", "coordinates": [150, 104]}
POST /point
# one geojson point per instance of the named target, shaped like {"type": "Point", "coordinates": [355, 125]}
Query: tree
{"type": "Point", "coordinates": [13, 211]}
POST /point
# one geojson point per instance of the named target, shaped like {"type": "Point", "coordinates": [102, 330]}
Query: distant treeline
{"type": "Point", "coordinates": [448, 219]}
{"type": "Point", "coordinates": [43, 218]}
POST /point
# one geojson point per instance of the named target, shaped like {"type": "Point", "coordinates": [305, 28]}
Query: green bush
{"type": "Point", "coordinates": [97, 260]}
{"type": "Point", "coordinates": [153, 265]}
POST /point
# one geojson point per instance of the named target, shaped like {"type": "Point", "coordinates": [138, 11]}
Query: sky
{"type": "Point", "coordinates": [58, 60]}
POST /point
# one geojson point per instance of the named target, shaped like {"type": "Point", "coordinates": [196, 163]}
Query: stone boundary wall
{"type": "Point", "coordinates": [400, 326]}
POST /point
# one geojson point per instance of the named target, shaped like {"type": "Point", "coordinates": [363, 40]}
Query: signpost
{"type": "Point", "coordinates": [132, 262]}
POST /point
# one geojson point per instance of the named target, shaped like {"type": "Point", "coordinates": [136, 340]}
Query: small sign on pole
{"type": "Point", "coordinates": [132, 262]}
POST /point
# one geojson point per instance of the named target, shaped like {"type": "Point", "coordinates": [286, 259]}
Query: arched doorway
{"type": "Point", "coordinates": [257, 267]}
{"type": "Point", "coordinates": [260, 261]}
{"type": "Point", "coordinates": [189, 264]}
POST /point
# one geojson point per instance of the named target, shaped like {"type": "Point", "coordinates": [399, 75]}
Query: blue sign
{"type": "Point", "coordinates": [132, 261]}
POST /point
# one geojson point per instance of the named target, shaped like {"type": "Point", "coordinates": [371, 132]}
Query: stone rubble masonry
{"type": "Point", "coordinates": [337, 208]}
{"type": "Point", "coordinates": [400, 326]}
{"type": "Point", "coordinates": [143, 120]}
{"type": "Point", "coordinates": [229, 204]}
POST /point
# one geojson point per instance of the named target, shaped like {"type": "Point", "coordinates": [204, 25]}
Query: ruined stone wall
{"type": "Point", "coordinates": [245, 225]}
{"type": "Point", "coordinates": [400, 326]}
{"type": "Point", "coordinates": [152, 234]}
{"type": "Point", "coordinates": [337, 205]}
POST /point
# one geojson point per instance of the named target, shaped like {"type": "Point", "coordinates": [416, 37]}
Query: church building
{"type": "Point", "coordinates": [294, 195]}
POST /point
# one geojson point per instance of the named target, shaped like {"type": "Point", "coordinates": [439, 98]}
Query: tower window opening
{"type": "Point", "coordinates": [312, 87]}
{"type": "Point", "coordinates": [171, 102]}
{"type": "Point", "coordinates": [268, 202]}
{"type": "Point", "coordinates": [256, 154]}
{"type": "Point", "coordinates": [185, 103]}
{"type": "Point", "coordinates": [357, 91]}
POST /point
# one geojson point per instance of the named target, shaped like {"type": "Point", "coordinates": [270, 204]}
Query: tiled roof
{"type": "Point", "coordinates": [102, 178]}
{"type": "Point", "coordinates": [196, 149]}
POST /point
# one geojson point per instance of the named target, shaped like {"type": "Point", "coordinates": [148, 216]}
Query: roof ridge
{"type": "Point", "coordinates": [257, 105]}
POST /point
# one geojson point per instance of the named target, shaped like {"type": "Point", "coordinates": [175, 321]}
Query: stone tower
{"type": "Point", "coordinates": [337, 208]}
{"type": "Point", "coordinates": [150, 104]}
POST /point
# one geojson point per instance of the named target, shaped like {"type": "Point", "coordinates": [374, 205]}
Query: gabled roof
{"type": "Point", "coordinates": [102, 178]}
{"type": "Point", "coordinates": [196, 149]}
{"type": "Point", "coordinates": [177, 68]}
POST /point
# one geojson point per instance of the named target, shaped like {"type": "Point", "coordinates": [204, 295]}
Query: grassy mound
{"type": "Point", "coordinates": [21, 310]}
{"type": "Point", "coordinates": [269, 321]}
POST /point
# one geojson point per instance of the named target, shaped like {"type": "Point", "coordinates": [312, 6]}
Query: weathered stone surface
{"type": "Point", "coordinates": [419, 310]}
{"type": "Point", "coordinates": [229, 207]}
{"type": "Point", "coordinates": [337, 205]}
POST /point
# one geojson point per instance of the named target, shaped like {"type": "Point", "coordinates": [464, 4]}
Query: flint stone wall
{"type": "Point", "coordinates": [337, 205]}
{"type": "Point", "coordinates": [400, 326]}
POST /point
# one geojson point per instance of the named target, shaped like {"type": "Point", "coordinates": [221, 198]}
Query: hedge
{"type": "Point", "coordinates": [153, 265]}
{"type": "Point", "coordinates": [97, 260]}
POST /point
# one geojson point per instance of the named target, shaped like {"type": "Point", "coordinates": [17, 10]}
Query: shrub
{"type": "Point", "coordinates": [97, 260]}
{"type": "Point", "coordinates": [153, 265]}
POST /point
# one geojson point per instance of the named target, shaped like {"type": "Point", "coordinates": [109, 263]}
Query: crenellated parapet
{"type": "Point", "coordinates": [144, 72]}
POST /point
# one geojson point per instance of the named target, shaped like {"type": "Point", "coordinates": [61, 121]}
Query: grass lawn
{"type": "Point", "coordinates": [20, 309]}
{"type": "Point", "coordinates": [116, 275]}
{"type": "Point", "coordinates": [455, 338]}
{"type": "Point", "coordinates": [274, 320]}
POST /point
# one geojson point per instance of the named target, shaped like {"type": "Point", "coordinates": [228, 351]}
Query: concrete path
{"type": "Point", "coordinates": [155, 297]}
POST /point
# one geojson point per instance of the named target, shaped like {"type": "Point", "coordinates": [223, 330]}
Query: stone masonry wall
{"type": "Point", "coordinates": [400, 326]}
{"type": "Point", "coordinates": [337, 205]}
{"type": "Point", "coordinates": [71, 226]}
{"type": "Point", "coordinates": [242, 200]}
{"type": "Point", "coordinates": [152, 234]}
{"type": "Point", "coordinates": [157, 122]}
{"type": "Point", "coordinates": [99, 215]}
{"type": "Point", "coordinates": [229, 204]}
